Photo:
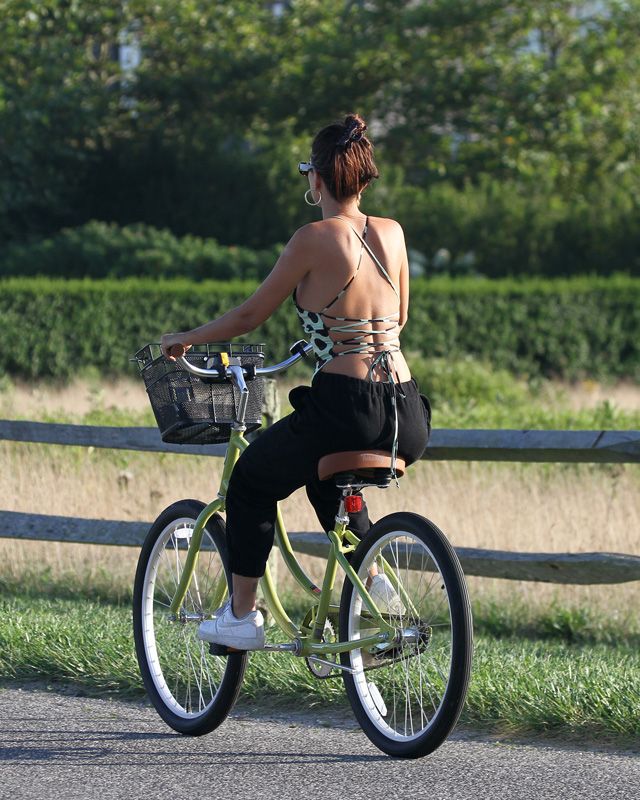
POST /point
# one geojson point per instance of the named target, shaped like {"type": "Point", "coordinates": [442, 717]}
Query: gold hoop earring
{"type": "Point", "coordinates": [310, 192]}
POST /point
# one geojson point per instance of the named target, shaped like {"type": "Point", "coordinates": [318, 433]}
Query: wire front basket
{"type": "Point", "coordinates": [194, 410]}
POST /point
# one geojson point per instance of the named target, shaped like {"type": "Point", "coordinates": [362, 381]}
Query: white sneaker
{"type": "Point", "coordinates": [385, 596]}
{"type": "Point", "coordinates": [246, 633]}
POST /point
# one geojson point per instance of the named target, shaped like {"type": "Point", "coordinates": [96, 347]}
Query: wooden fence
{"type": "Point", "coordinates": [451, 445]}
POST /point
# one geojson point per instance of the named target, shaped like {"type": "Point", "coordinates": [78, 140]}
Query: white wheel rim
{"type": "Point", "coordinates": [199, 675]}
{"type": "Point", "coordinates": [424, 676]}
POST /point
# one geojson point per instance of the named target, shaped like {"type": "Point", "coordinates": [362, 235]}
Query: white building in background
{"type": "Point", "coordinates": [129, 59]}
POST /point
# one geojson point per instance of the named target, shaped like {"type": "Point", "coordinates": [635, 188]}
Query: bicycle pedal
{"type": "Point", "coordinates": [222, 649]}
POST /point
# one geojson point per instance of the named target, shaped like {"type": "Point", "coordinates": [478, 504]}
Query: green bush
{"type": "Point", "coordinates": [494, 228]}
{"type": "Point", "coordinates": [467, 393]}
{"type": "Point", "coordinates": [498, 228]}
{"type": "Point", "coordinates": [570, 328]}
{"type": "Point", "coordinates": [99, 250]}
{"type": "Point", "coordinates": [457, 382]}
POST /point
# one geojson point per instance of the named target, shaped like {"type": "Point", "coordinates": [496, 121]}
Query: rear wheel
{"type": "Point", "coordinates": [192, 690]}
{"type": "Point", "coordinates": [407, 696]}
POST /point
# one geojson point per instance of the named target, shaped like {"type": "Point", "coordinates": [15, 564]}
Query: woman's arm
{"type": "Point", "coordinates": [404, 285]}
{"type": "Point", "coordinates": [293, 264]}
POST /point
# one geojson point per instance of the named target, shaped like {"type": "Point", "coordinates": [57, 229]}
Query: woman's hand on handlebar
{"type": "Point", "coordinates": [174, 345]}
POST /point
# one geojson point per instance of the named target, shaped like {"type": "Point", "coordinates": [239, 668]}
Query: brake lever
{"type": "Point", "coordinates": [299, 348]}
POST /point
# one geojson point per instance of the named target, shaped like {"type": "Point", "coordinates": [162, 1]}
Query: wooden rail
{"type": "Point", "coordinates": [460, 445]}
{"type": "Point", "coordinates": [445, 444]}
{"type": "Point", "coordinates": [585, 568]}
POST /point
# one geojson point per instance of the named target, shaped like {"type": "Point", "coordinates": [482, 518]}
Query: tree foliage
{"type": "Point", "coordinates": [203, 136]}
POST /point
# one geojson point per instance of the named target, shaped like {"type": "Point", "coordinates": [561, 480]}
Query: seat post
{"type": "Point", "coordinates": [350, 502]}
{"type": "Point", "coordinates": [342, 517]}
{"type": "Point", "coordinates": [353, 471]}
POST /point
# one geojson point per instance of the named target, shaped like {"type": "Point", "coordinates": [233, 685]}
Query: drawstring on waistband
{"type": "Point", "coordinates": [382, 361]}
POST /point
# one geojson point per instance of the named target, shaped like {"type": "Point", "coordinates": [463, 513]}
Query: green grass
{"type": "Point", "coordinates": [465, 393]}
{"type": "Point", "coordinates": [532, 672]}
{"type": "Point", "coordinates": [564, 670]}
{"type": "Point", "coordinates": [502, 403]}
{"type": "Point", "coordinates": [554, 686]}
{"type": "Point", "coordinates": [579, 625]}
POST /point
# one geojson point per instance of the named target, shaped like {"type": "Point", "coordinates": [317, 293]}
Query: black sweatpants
{"type": "Point", "coordinates": [336, 413]}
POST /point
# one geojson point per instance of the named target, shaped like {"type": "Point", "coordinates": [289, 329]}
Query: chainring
{"type": "Point", "coordinates": [323, 671]}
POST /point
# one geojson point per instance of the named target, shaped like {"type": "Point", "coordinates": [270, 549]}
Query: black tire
{"type": "Point", "coordinates": [425, 679]}
{"type": "Point", "coordinates": [192, 690]}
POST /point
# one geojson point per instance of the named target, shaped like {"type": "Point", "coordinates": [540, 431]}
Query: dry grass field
{"type": "Point", "coordinates": [503, 506]}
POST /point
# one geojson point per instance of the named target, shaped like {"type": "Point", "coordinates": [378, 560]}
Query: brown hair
{"type": "Point", "coordinates": [343, 157]}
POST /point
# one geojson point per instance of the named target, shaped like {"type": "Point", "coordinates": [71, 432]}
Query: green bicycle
{"type": "Point", "coordinates": [405, 663]}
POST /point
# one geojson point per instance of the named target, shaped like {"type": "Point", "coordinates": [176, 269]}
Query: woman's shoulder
{"type": "Point", "coordinates": [309, 231]}
{"type": "Point", "coordinates": [386, 223]}
{"type": "Point", "coordinates": [324, 226]}
{"type": "Point", "coordinates": [333, 229]}
{"type": "Point", "coordinates": [305, 236]}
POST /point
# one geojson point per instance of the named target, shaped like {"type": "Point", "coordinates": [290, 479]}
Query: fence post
{"type": "Point", "coordinates": [271, 403]}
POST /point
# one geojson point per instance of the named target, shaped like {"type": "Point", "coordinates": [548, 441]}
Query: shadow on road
{"type": "Point", "coordinates": [92, 745]}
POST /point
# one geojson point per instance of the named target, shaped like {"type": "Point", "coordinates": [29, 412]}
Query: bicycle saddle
{"type": "Point", "coordinates": [372, 465]}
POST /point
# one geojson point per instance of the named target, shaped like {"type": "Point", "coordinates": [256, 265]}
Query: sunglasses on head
{"type": "Point", "coordinates": [305, 167]}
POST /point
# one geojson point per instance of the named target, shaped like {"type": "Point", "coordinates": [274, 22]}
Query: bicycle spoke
{"type": "Point", "coordinates": [187, 675]}
{"type": "Point", "coordinates": [411, 678]}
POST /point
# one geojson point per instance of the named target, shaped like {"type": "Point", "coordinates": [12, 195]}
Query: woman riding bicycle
{"type": "Point", "coordinates": [349, 278]}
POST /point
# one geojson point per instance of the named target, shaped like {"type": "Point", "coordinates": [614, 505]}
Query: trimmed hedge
{"type": "Point", "coordinates": [569, 328]}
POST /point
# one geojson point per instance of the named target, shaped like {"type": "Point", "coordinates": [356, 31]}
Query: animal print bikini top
{"type": "Point", "coordinates": [365, 337]}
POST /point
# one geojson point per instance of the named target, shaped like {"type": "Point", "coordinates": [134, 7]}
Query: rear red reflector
{"type": "Point", "coordinates": [353, 503]}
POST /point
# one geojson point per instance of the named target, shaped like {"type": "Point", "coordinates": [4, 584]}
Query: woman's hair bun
{"type": "Point", "coordinates": [355, 128]}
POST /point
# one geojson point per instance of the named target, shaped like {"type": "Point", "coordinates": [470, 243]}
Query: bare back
{"type": "Point", "coordinates": [344, 275]}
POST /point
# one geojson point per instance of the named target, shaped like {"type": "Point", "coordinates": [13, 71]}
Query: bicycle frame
{"type": "Point", "coordinates": [342, 541]}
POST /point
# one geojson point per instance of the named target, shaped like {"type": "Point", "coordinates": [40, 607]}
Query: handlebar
{"type": "Point", "coordinates": [236, 373]}
{"type": "Point", "coordinates": [298, 350]}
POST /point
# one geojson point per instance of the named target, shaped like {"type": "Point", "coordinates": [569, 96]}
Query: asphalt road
{"type": "Point", "coordinates": [59, 746]}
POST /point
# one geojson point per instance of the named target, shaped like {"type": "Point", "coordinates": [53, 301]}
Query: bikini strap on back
{"type": "Point", "coordinates": [374, 257]}
{"type": "Point", "coordinates": [357, 269]}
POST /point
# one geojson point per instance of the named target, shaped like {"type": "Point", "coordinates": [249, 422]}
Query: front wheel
{"type": "Point", "coordinates": [192, 690]}
{"type": "Point", "coordinates": [408, 695]}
